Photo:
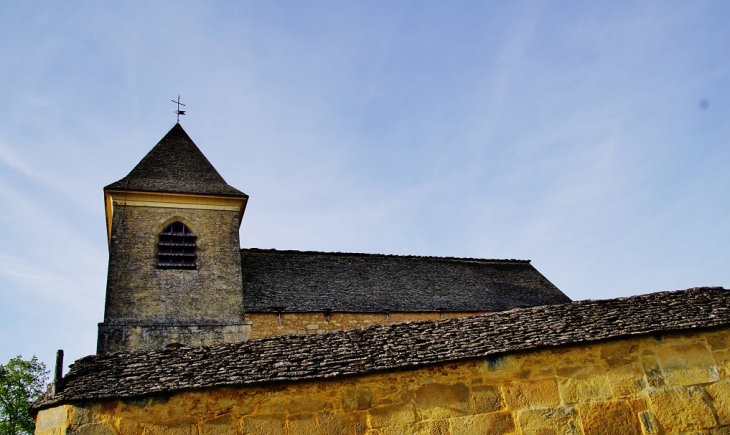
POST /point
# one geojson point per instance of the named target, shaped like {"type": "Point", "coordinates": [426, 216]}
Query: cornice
{"type": "Point", "coordinates": [114, 198]}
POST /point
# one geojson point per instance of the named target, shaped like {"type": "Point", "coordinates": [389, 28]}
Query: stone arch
{"type": "Point", "coordinates": [164, 222]}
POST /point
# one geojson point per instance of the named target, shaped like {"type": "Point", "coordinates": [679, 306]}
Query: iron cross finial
{"type": "Point", "coordinates": [178, 111]}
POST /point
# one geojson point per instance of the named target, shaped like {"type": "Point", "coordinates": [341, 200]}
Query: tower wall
{"type": "Point", "coordinates": [149, 307]}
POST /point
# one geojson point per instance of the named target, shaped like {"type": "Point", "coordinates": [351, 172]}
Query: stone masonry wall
{"type": "Point", "coordinates": [668, 384]}
{"type": "Point", "coordinates": [269, 325]}
{"type": "Point", "coordinates": [114, 338]}
{"type": "Point", "coordinates": [140, 294]}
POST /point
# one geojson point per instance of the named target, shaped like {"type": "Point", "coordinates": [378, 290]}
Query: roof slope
{"type": "Point", "coordinates": [295, 281]}
{"type": "Point", "coordinates": [176, 165]}
{"type": "Point", "coordinates": [401, 345]}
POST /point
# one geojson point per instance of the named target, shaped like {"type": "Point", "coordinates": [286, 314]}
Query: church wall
{"type": "Point", "coordinates": [269, 325]}
{"type": "Point", "coordinates": [139, 293]}
{"type": "Point", "coordinates": [663, 384]}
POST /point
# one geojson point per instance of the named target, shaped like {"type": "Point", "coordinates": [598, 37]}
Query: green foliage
{"type": "Point", "coordinates": [21, 383]}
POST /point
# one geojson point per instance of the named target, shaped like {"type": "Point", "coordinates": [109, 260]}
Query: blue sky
{"type": "Point", "coordinates": [590, 137]}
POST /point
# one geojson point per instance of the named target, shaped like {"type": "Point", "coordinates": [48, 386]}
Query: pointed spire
{"type": "Point", "coordinates": [176, 165]}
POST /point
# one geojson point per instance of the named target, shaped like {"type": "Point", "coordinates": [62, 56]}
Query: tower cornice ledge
{"type": "Point", "coordinates": [170, 200]}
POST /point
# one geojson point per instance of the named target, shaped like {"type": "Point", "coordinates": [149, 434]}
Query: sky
{"type": "Point", "coordinates": [589, 137]}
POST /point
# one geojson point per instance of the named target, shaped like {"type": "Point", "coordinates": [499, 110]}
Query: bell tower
{"type": "Point", "coordinates": [174, 273]}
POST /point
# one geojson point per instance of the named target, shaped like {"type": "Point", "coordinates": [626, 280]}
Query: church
{"type": "Point", "coordinates": [178, 277]}
{"type": "Point", "coordinates": [201, 337]}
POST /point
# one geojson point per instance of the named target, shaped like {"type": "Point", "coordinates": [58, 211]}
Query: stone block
{"type": "Point", "coordinates": [549, 421]}
{"type": "Point", "coordinates": [128, 427]}
{"type": "Point", "coordinates": [78, 416]}
{"type": "Point", "coordinates": [719, 340]}
{"type": "Point", "coordinates": [392, 415]}
{"type": "Point", "coordinates": [584, 388]}
{"type": "Point", "coordinates": [619, 352]}
{"type": "Point", "coordinates": [271, 424]}
{"type": "Point", "coordinates": [433, 427]}
{"type": "Point", "coordinates": [333, 423]}
{"type": "Point", "coordinates": [626, 380]}
{"type": "Point", "coordinates": [159, 429]}
{"type": "Point", "coordinates": [720, 394]}
{"type": "Point", "coordinates": [567, 371]}
{"type": "Point", "coordinates": [273, 403]}
{"type": "Point", "coordinates": [496, 423]}
{"type": "Point", "coordinates": [638, 404]}
{"type": "Point", "coordinates": [351, 423]}
{"type": "Point", "coordinates": [434, 401]}
{"type": "Point", "coordinates": [542, 392]}
{"type": "Point", "coordinates": [486, 399]}
{"type": "Point", "coordinates": [681, 409]}
{"type": "Point", "coordinates": [356, 398]}
{"type": "Point", "coordinates": [306, 404]}
{"type": "Point", "coordinates": [53, 418]}
{"type": "Point", "coordinates": [348, 398]}
{"type": "Point", "coordinates": [99, 429]}
{"type": "Point", "coordinates": [224, 425]}
{"type": "Point", "coordinates": [358, 427]}
{"type": "Point", "coordinates": [246, 405]}
{"type": "Point", "coordinates": [302, 424]}
{"type": "Point", "coordinates": [609, 418]}
{"type": "Point", "coordinates": [687, 364]}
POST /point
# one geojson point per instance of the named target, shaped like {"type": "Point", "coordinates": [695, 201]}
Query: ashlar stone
{"type": "Point", "coordinates": [272, 424]}
{"type": "Point", "coordinates": [543, 392]}
{"type": "Point", "coordinates": [486, 399]}
{"type": "Point", "coordinates": [557, 420]}
{"type": "Point", "coordinates": [438, 400]}
{"type": "Point", "coordinates": [585, 387]}
{"type": "Point", "coordinates": [393, 415]}
{"type": "Point", "coordinates": [495, 423]}
{"type": "Point", "coordinates": [303, 424]}
{"type": "Point", "coordinates": [720, 394]}
{"type": "Point", "coordinates": [682, 408]}
{"type": "Point", "coordinates": [609, 418]}
{"type": "Point", "coordinates": [687, 364]}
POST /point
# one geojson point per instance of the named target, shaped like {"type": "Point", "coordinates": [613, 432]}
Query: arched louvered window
{"type": "Point", "coordinates": [176, 248]}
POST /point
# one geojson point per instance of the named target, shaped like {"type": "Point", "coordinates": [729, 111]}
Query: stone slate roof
{"type": "Point", "coordinates": [176, 165]}
{"type": "Point", "coordinates": [398, 346]}
{"type": "Point", "coordinates": [295, 281]}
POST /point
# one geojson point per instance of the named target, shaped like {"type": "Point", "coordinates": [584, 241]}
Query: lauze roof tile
{"type": "Point", "coordinates": [295, 281]}
{"type": "Point", "coordinates": [398, 346]}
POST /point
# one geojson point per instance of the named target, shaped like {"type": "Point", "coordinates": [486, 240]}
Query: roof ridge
{"type": "Point", "coordinates": [404, 256]}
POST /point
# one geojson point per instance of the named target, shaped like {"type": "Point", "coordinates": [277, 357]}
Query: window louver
{"type": "Point", "coordinates": [176, 247]}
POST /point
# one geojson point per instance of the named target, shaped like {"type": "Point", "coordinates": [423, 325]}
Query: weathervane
{"type": "Point", "coordinates": [178, 111]}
